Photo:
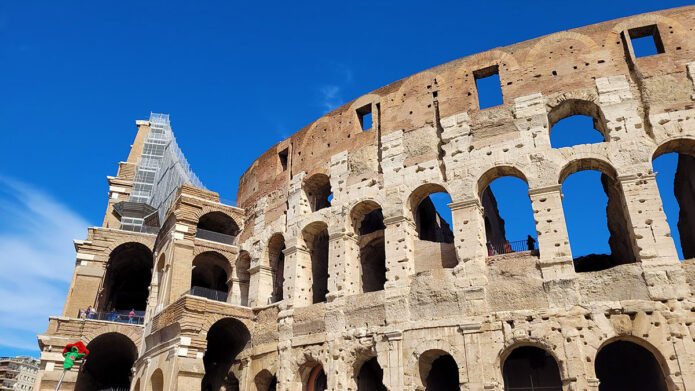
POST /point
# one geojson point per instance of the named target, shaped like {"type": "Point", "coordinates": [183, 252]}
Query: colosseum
{"type": "Point", "coordinates": [334, 271]}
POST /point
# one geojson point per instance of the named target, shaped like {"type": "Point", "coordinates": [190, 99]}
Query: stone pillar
{"type": "Point", "coordinates": [469, 240]}
{"type": "Point", "coordinates": [260, 284]}
{"type": "Point", "coordinates": [297, 286]}
{"type": "Point", "coordinates": [181, 270]}
{"type": "Point", "coordinates": [190, 373]}
{"type": "Point", "coordinates": [390, 356]}
{"type": "Point", "coordinates": [85, 287]}
{"type": "Point", "coordinates": [555, 255]}
{"type": "Point", "coordinates": [343, 263]}
{"type": "Point", "coordinates": [399, 236]}
{"type": "Point", "coordinates": [651, 237]}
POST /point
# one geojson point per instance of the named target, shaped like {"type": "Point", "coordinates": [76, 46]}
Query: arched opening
{"type": "Point", "coordinates": [531, 368]}
{"type": "Point", "coordinates": [209, 276]}
{"type": "Point", "coordinates": [316, 239]}
{"type": "Point", "coordinates": [159, 280]}
{"type": "Point", "coordinates": [574, 122]}
{"type": "Point", "coordinates": [627, 366]}
{"type": "Point", "coordinates": [217, 227]}
{"type": "Point", "coordinates": [127, 280]}
{"type": "Point", "coordinates": [371, 376]}
{"type": "Point", "coordinates": [265, 381]}
{"type": "Point", "coordinates": [438, 371]}
{"type": "Point", "coordinates": [674, 164]}
{"type": "Point", "coordinates": [314, 377]}
{"type": "Point", "coordinates": [368, 223]}
{"type": "Point", "coordinates": [509, 223]}
{"type": "Point", "coordinates": [276, 258]}
{"type": "Point", "coordinates": [434, 248]}
{"type": "Point", "coordinates": [242, 278]}
{"type": "Point", "coordinates": [318, 191]}
{"type": "Point", "coordinates": [225, 340]}
{"type": "Point", "coordinates": [596, 218]}
{"type": "Point", "coordinates": [111, 357]}
{"type": "Point", "coordinates": [157, 381]}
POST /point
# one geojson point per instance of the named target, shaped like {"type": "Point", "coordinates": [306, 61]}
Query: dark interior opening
{"type": "Point", "coordinates": [282, 155]}
{"type": "Point", "coordinates": [218, 222]}
{"type": "Point", "coordinates": [444, 375]}
{"type": "Point", "coordinates": [111, 356]}
{"type": "Point", "coordinates": [128, 277]}
{"type": "Point", "coordinates": [646, 41]}
{"type": "Point", "coordinates": [225, 339]}
{"type": "Point", "coordinates": [528, 368]}
{"type": "Point", "coordinates": [627, 366]}
{"type": "Point", "coordinates": [372, 251]}
{"type": "Point", "coordinates": [364, 114]}
{"type": "Point", "coordinates": [208, 272]}
{"type": "Point", "coordinates": [277, 266]}
{"type": "Point", "coordinates": [319, 266]}
{"type": "Point", "coordinates": [371, 377]}
{"type": "Point", "coordinates": [430, 224]}
{"type": "Point", "coordinates": [318, 192]}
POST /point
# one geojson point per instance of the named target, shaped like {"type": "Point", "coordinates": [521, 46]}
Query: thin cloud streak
{"type": "Point", "coordinates": [38, 258]}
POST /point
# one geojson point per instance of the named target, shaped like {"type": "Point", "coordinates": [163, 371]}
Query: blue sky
{"type": "Point", "coordinates": [235, 77]}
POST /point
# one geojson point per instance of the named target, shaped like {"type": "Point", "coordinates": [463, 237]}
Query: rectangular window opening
{"type": "Point", "coordinates": [646, 41]}
{"type": "Point", "coordinates": [283, 158]}
{"type": "Point", "coordinates": [365, 115]}
{"type": "Point", "coordinates": [487, 83]}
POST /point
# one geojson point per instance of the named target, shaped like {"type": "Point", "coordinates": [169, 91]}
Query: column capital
{"type": "Point", "coordinates": [397, 219]}
{"type": "Point", "coordinates": [471, 202]}
{"type": "Point", "coordinates": [294, 249]}
{"type": "Point", "coordinates": [636, 177]}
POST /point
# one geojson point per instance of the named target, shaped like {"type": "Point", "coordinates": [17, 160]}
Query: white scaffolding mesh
{"type": "Point", "coordinates": [162, 168]}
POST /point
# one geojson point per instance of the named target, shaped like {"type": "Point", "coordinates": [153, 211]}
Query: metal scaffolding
{"type": "Point", "coordinates": [160, 172]}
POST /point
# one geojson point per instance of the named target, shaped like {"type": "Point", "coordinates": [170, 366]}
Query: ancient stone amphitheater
{"type": "Point", "coordinates": [335, 272]}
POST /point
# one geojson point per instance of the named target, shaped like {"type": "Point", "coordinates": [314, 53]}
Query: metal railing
{"type": "Point", "coordinates": [208, 293]}
{"type": "Point", "coordinates": [215, 236]}
{"type": "Point", "coordinates": [508, 247]}
{"type": "Point", "coordinates": [141, 228]}
{"type": "Point", "coordinates": [119, 316]}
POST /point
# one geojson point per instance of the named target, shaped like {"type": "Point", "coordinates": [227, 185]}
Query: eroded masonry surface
{"type": "Point", "coordinates": [335, 271]}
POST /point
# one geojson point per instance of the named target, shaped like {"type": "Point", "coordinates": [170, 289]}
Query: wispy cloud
{"type": "Point", "coordinates": [331, 94]}
{"type": "Point", "coordinates": [36, 261]}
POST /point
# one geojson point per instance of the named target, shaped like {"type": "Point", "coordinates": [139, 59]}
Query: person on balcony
{"type": "Point", "coordinates": [530, 243]}
{"type": "Point", "coordinates": [131, 315]}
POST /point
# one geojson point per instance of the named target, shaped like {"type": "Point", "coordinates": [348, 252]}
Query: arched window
{"type": "Point", "coordinates": [674, 164]}
{"type": "Point", "coordinates": [528, 368]}
{"type": "Point", "coordinates": [276, 258]}
{"type": "Point", "coordinates": [434, 248]}
{"type": "Point", "coordinates": [596, 218]}
{"type": "Point", "coordinates": [265, 381]}
{"type": "Point", "coordinates": [316, 238]}
{"type": "Point", "coordinates": [438, 371]}
{"type": "Point", "coordinates": [111, 356]}
{"type": "Point", "coordinates": [318, 191]}
{"type": "Point", "coordinates": [368, 223]}
{"type": "Point", "coordinates": [225, 340]}
{"type": "Point", "coordinates": [574, 122]}
{"type": "Point", "coordinates": [159, 280]}
{"type": "Point", "coordinates": [156, 381]}
{"type": "Point", "coordinates": [314, 377]}
{"type": "Point", "coordinates": [627, 366]}
{"type": "Point", "coordinates": [371, 376]}
{"type": "Point", "coordinates": [507, 211]}
{"type": "Point", "coordinates": [127, 279]}
{"type": "Point", "coordinates": [242, 279]}
{"type": "Point", "coordinates": [217, 227]}
{"type": "Point", "coordinates": [209, 276]}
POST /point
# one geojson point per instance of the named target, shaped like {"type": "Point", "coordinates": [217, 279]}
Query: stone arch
{"type": "Point", "coordinates": [491, 57]}
{"type": "Point", "coordinates": [683, 188]}
{"type": "Point", "coordinates": [210, 275]}
{"type": "Point", "coordinates": [217, 226]}
{"type": "Point", "coordinates": [569, 106]}
{"type": "Point", "coordinates": [436, 370]}
{"type": "Point", "coordinates": [317, 189]}
{"type": "Point", "coordinates": [111, 358]}
{"type": "Point", "coordinates": [315, 237]}
{"type": "Point", "coordinates": [526, 360]}
{"type": "Point", "coordinates": [428, 223]}
{"type": "Point", "coordinates": [661, 364]}
{"type": "Point", "coordinates": [538, 50]}
{"type": "Point", "coordinates": [156, 382]}
{"type": "Point", "coordinates": [591, 163]}
{"type": "Point", "coordinates": [368, 224]}
{"type": "Point", "coordinates": [369, 374]}
{"type": "Point", "coordinates": [127, 279]}
{"type": "Point", "coordinates": [275, 259]}
{"type": "Point", "coordinates": [311, 374]}
{"type": "Point", "coordinates": [497, 172]}
{"type": "Point", "coordinates": [265, 381]}
{"type": "Point", "coordinates": [225, 340]}
{"type": "Point", "coordinates": [643, 20]}
{"type": "Point", "coordinates": [241, 279]}
{"type": "Point", "coordinates": [132, 333]}
{"type": "Point", "coordinates": [435, 347]}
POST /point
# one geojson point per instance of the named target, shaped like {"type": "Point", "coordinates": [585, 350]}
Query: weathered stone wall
{"type": "Point", "coordinates": [428, 136]}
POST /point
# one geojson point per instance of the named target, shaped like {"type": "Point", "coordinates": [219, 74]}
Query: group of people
{"type": "Point", "coordinates": [112, 316]}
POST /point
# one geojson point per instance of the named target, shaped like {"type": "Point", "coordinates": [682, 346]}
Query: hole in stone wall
{"type": "Point", "coordinates": [316, 239]}
{"type": "Point", "coordinates": [575, 122]}
{"type": "Point", "coordinates": [318, 191]}
{"type": "Point", "coordinates": [531, 368]}
{"type": "Point", "coordinates": [276, 259]}
{"type": "Point", "coordinates": [646, 41]}
{"type": "Point", "coordinates": [225, 339]}
{"type": "Point", "coordinates": [371, 377]}
{"type": "Point", "coordinates": [596, 221]}
{"type": "Point", "coordinates": [282, 155]}
{"type": "Point", "coordinates": [487, 83]}
{"type": "Point", "coordinates": [627, 366]}
{"type": "Point", "coordinates": [364, 114]}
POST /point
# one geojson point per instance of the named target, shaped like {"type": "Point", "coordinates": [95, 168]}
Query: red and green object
{"type": "Point", "coordinates": [74, 352]}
